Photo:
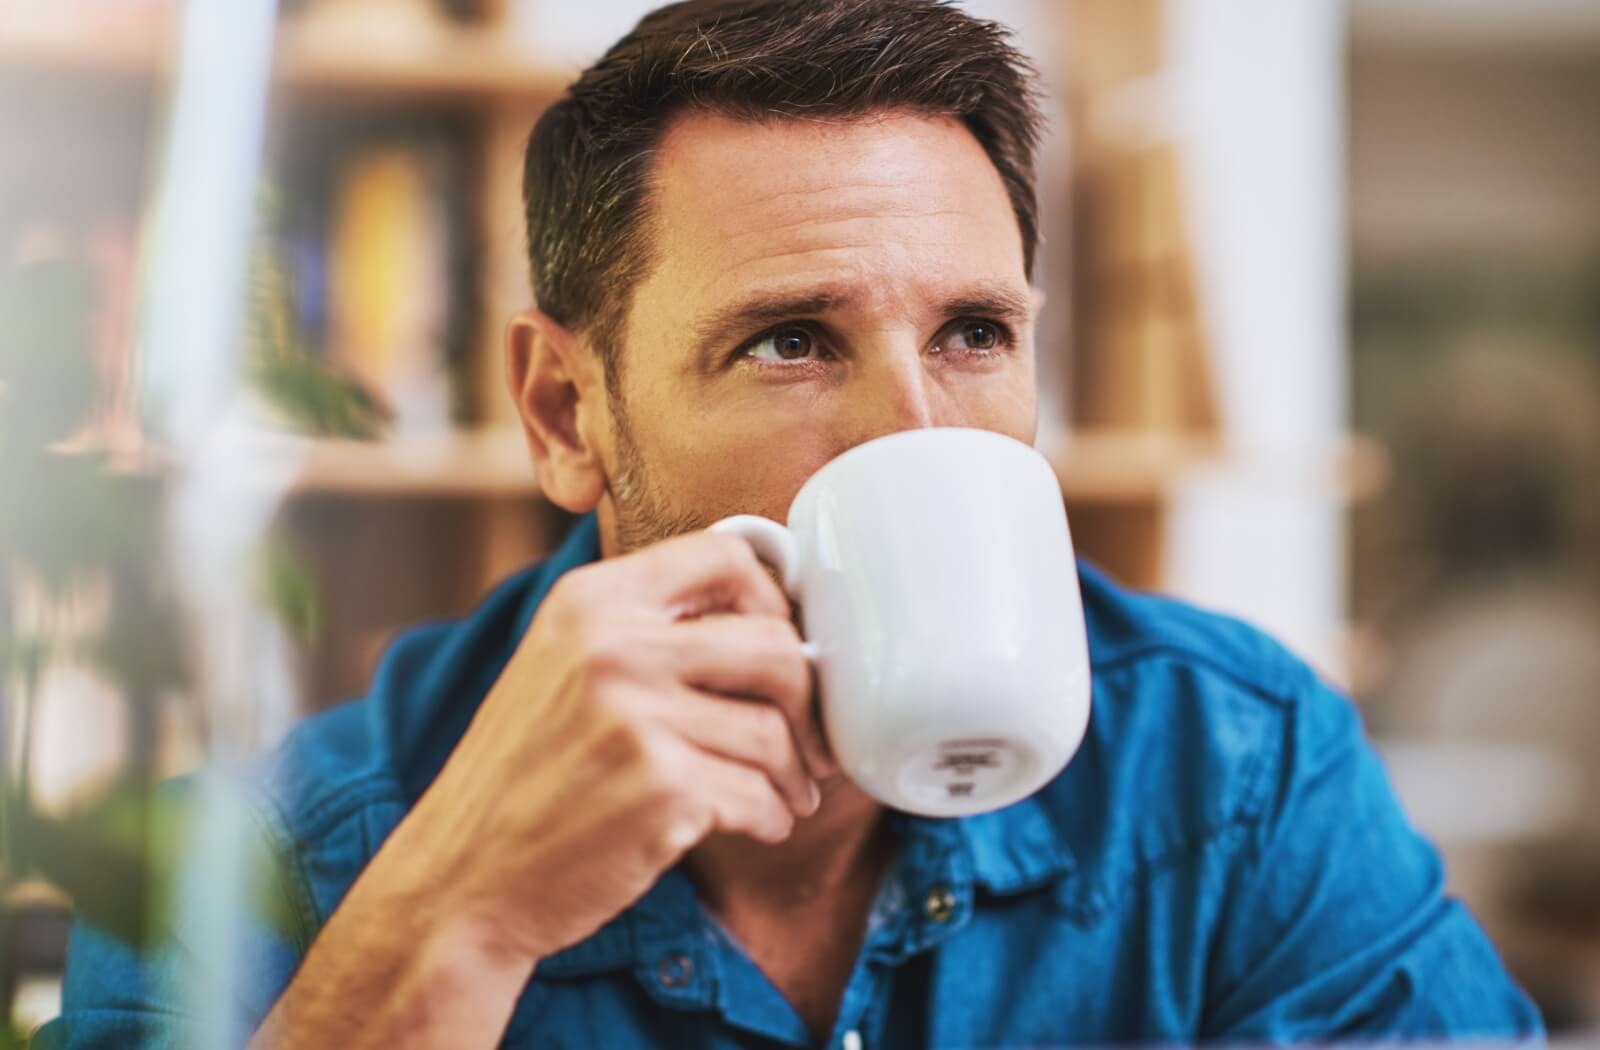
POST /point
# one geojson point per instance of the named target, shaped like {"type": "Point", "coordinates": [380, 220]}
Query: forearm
{"type": "Point", "coordinates": [387, 971]}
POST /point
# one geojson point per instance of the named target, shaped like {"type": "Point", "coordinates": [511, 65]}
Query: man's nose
{"type": "Point", "coordinates": [896, 392]}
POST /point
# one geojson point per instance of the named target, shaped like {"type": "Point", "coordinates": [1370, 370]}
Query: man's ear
{"type": "Point", "coordinates": [560, 394]}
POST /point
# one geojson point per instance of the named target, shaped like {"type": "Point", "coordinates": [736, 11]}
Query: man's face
{"type": "Point", "coordinates": [817, 284]}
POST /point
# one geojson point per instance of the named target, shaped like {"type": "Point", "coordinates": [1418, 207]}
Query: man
{"type": "Point", "coordinates": [600, 812]}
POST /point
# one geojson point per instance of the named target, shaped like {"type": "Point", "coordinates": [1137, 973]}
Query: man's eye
{"type": "Point", "coordinates": [975, 335]}
{"type": "Point", "coordinates": [782, 344]}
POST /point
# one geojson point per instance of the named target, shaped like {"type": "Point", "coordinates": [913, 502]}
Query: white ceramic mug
{"type": "Point", "coordinates": [939, 597]}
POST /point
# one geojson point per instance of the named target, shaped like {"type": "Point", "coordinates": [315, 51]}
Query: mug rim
{"type": "Point", "coordinates": [938, 433]}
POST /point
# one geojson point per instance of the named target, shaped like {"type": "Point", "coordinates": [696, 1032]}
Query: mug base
{"type": "Point", "coordinates": [960, 776]}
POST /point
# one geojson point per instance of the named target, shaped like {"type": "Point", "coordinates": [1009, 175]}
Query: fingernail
{"type": "Point", "coordinates": [816, 798]}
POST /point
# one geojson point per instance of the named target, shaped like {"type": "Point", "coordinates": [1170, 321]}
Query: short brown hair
{"type": "Point", "coordinates": [586, 173]}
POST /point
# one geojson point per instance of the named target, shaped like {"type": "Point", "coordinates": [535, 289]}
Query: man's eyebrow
{"type": "Point", "coordinates": [1000, 302]}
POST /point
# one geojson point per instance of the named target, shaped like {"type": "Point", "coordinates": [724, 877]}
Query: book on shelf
{"type": "Point", "coordinates": [391, 20]}
{"type": "Point", "coordinates": [380, 242]}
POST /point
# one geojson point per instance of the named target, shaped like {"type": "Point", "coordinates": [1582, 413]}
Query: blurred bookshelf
{"type": "Point", "coordinates": [471, 62]}
{"type": "Point", "coordinates": [490, 462]}
{"type": "Point", "coordinates": [391, 250]}
{"type": "Point", "coordinates": [393, 255]}
{"type": "Point", "coordinates": [395, 139]}
{"type": "Point", "coordinates": [1098, 466]}
{"type": "Point", "coordinates": [474, 62]}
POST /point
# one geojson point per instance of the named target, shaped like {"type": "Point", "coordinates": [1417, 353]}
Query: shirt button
{"type": "Point", "coordinates": [851, 1040]}
{"type": "Point", "coordinates": [940, 904]}
{"type": "Point", "coordinates": [675, 971]}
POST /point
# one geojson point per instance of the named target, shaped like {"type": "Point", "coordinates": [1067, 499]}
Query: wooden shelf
{"type": "Point", "coordinates": [1141, 467]}
{"type": "Point", "coordinates": [1094, 467]}
{"type": "Point", "coordinates": [486, 462]}
{"type": "Point", "coordinates": [463, 62]}
{"type": "Point", "coordinates": [34, 893]}
{"type": "Point", "coordinates": [483, 462]}
{"type": "Point", "coordinates": [494, 461]}
{"type": "Point", "coordinates": [1113, 466]}
{"type": "Point", "coordinates": [1100, 467]}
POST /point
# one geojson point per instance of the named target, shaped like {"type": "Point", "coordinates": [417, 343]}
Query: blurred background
{"type": "Point", "coordinates": [1322, 350]}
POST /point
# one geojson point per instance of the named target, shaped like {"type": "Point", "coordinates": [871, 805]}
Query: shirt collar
{"type": "Point", "coordinates": [930, 894]}
{"type": "Point", "coordinates": [1018, 848]}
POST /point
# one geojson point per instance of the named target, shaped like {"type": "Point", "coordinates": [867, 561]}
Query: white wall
{"type": "Point", "coordinates": [1256, 91]}
{"type": "Point", "coordinates": [1466, 152]}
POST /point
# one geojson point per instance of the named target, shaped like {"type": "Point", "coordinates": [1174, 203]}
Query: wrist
{"type": "Point", "coordinates": [455, 925]}
{"type": "Point", "coordinates": [464, 955]}
{"type": "Point", "coordinates": [394, 967]}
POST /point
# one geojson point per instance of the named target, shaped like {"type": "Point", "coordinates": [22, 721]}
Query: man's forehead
{"type": "Point", "coordinates": [746, 207]}
{"type": "Point", "coordinates": [715, 166]}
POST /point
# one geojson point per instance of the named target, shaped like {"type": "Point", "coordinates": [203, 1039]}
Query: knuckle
{"type": "Point", "coordinates": [772, 735]}
{"type": "Point", "coordinates": [575, 591]}
{"type": "Point", "coordinates": [679, 829]}
{"type": "Point", "coordinates": [660, 764]}
{"type": "Point", "coordinates": [800, 682]}
{"type": "Point", "coordinates": [787, 660]}
{"type": "Point", "coordinates": [739, 559]}
{"type": "Point", "coordinates": [666, 766]}
{"type": "Point", "coordinates": [718, 549]}
{"type": "Point", "coordinates": [794, 666]}
{"type": "Point", "coordinates": [782, 635]}
{"type": "Point", "coordinates": [574, 610]}
{"type": "Point", "coordinates": [736, 552]}
{"type": "Point", "coordinates": [598, 666]}
{"type": "Point", "coordinates": [622, 745]}
{"type": "Point", "coordinates": [779, 824]}
{"type": "Point", "coordinates": [603, 650]}
{"type": "Point", "coordinates": [683, 808]}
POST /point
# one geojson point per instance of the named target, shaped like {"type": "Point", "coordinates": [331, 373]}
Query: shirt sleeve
{"type": "Point", "coordinates": [1337, 925]}
{"type": "Point", "coordinates": [209, 973]}
{"type": "Point", "coordinates": [108, 1001]}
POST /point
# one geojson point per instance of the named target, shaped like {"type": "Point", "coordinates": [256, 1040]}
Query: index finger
{"type": "Point", "coordinates": [701, 572]}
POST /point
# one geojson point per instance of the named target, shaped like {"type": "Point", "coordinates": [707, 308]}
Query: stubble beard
{"type": "Point", "coordinates": [643, 512]}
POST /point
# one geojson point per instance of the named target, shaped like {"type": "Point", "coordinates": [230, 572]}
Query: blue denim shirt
{"type": "Point", "coordinates": [1223, 860]}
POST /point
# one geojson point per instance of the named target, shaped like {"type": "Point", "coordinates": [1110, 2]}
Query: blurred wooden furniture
{"type": "Point", "coordinates": [411, 531]}
{"type": "Point", "coordinates": [1138, 364]}
{"type": "Point", "coordinates": [400, 532]}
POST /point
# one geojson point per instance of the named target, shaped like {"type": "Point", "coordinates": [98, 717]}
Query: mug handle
{"type": "Point", "coordinates": [773, 543]}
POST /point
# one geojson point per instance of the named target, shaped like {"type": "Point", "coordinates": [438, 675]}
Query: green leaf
{"type": "Point", "coordinates": [307, 392]}
{"type": "Point", "coordinates": [287, 586]}
{"type": "Point", "coordinates": [121, 859]}
{"type": "Point", "coordinates": [313, 397]}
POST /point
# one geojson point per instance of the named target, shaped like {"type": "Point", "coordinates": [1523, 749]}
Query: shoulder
{"type": "Point", "coordinates": [1132, 629]}
{"type": "Point", "coordinates": [341, 780]}
{"type": "Point", "coordinates": [319, 806]}
{"type": "Point", "coordinates": [1199, 726]}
